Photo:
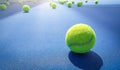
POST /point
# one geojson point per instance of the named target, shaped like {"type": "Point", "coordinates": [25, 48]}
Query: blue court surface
{"type": "Point", "coordinates": [36, 40]}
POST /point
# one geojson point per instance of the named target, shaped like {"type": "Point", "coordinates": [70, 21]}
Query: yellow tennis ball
{"type": "Point", "coordinates": [80, 38]}
{"type": "Point", "coordinates": [3, 7]}
{"type": "Point", "coordinates": [53, 5]}
{"type": "Point", "coordinates": [80, 3]}
{"type": "Point", "coordinates": [69, 4]}
{"type": "Point", "coordinates": [96, 1]}
{"type": "Point", "coordinates": [26, 8]}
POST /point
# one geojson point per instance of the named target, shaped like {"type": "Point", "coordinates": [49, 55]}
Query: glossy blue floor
{"type": "Point", "coordinates": [36, 40]}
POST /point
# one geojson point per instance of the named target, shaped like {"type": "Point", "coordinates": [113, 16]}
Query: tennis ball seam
{"type": "Point", "coordinates": [83, 44]}
{"type": "Point", "coordinates": [80, 38]}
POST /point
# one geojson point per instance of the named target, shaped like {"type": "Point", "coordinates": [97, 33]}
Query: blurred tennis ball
{"type": "Point", "coordinates": [80, 3]}
{"type": "Point", "coordinates": [96, 1]}
{"type": "Point", "coordinates": [3, 7]}
{"type": "Point", "coordinates": [69, 4]}
{"type": "Point", "coordinates": [7, 3]}
{"type": "Point", "coordinates": [53, 5]}
{"type": "Point", "coordinates": [26, 8]}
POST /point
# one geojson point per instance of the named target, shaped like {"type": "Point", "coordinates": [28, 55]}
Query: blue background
{"type": "Point", "coordinates": [36, 40]}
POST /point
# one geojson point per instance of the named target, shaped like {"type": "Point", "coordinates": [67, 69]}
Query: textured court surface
{"type": "Point", "coordinates": [36, 40]}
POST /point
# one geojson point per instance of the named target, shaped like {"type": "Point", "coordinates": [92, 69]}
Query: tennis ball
{"type": "Point", "coordinates": [96, 1]}
{"type": "Point", "coordinates": [20, 2]}
{"type": "Point", "coordinates": [7, 3]}
{"type": "Point", "coordinates": [73, 1]}
{"type": "Point", "coordinates": [69, 4]}
{"type": "Point", "coordinates": [53, 5]}
{"type": "Point", "coordinates": [80, 3]}
{"type": "Point", "coordinates": [26, 8]}
{"type": "Point", "coordinates": [80, 38]}
{"type": "Point", "coordinates": [86, 1]}
{"type": "Point", "coordinates": [3, 7]}
{"type": "Point", "coordinates": [61, 1]}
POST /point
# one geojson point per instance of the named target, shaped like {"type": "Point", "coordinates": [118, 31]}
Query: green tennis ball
{"type": "Point", "coordinates": [26, 8]}
{"type": "Point", "coordinates": [80, 38]}
{"type": "Point", "coordinates": [53, 5]}
{"type": "Point", "coordinates": [20, 2]}
{"type": "Point", "coordinates": [86, 1]}
{"type": "Point", "coordinates": [7, 3]}
{"type": "Point", "coordinates": [69, 4]}
{"type": "Point", "coordinates": [73, 1]}
{"type": "Point", "coordinates": [96, 1]}
{"type": "Point", "coordinates": [80, 3]}
{"type": "Point", "coordinates": [61, 1]}
{"type": "Point", "coordinates": [3, 7]}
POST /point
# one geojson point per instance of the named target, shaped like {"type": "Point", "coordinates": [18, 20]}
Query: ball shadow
{"type": "Point", "coordinates": [88, 61]}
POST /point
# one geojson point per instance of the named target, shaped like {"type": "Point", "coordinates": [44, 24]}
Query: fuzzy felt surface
{"type": "Point", "coordinates": [80, 38]}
